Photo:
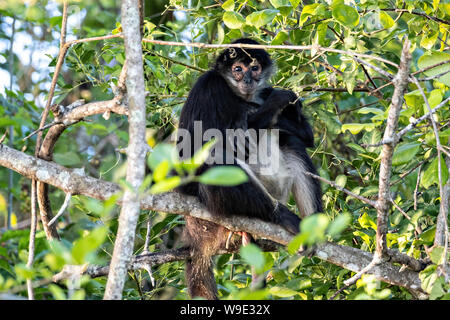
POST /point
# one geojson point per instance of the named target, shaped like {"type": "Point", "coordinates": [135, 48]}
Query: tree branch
{"type": "Point", "coordinates": [417, 13]}
{"type": "Point", "coordinates": [136, 151]}
{"type": "Point", "coordinates": [400, 82]}
{"type": "Point", "coordinates": [77, 183]}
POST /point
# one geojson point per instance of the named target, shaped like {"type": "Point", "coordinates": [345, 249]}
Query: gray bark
{"type": "Point", "coordinates": [136, 151]}
{"type": "Point", "coordinates": [401, 81]}
{"type": "Point", "coordinates": [76, 182]}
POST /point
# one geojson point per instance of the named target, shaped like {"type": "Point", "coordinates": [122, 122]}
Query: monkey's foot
{"type": "Point", "coordinates": [246, 238]}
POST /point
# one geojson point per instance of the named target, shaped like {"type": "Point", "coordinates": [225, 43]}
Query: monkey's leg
{"type": "Point", "coordinates": [257, 280]}
{"type": "Point", "coordinates": [204, 239]}
{"type": "Point", "coordinates": [306, 190]}
{"type": "Point", "coordinates": [248, 200]}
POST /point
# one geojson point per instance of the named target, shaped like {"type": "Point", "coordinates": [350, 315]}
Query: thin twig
{"type": "Point", "coordinates": [377, 69]}
{"type": "Point", "coordinates": [409, 127]}
{"type": "Point", "coordinates": [312, 87]}
{"type": "Point", "coordinates": [407, 173]}
{"type": "Point", "coordinates": [11, 128]}
{"type": "Point", "coordinates": [435, 76]}
{"type": "Point", "coordinates": [334, 185]}
{"type": "Point", "coordinates": [31, 245]}
{"type": "Point", "coordinates": [417, 13]}
{"type": "Point", "coordinates": [418, 229]}
{"type": "Point", "coordinates": [438, 64]}
{"type": "Point", "coordinates": [417, 187]}
{"type": "Point", "coordinates": [358, 107]}
{"type": "Point", "coordinates": [62, 209]}
{"type": "Point", "coordinates": [441, 224]}
{"type": "Point", "coordinates": [267, 47]}
{"type": "Point", "coordinates": [351, 281]}
{"type": "Point", "coordinates": [177, 62]}
{"type": "Point", "coordinates": [51, 232]}
{"type": "Point", "coordinates": [42, 129]}
{"type": "Point", "coordinates": [375, 261]}
{"type": "Point", "coordinates": [3, 137]}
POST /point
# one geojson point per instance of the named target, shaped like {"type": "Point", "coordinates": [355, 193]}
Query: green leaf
{"type": "Point", "coordinates": [35, 13]}
{"type": "Point", "coordinates": [67, 159]}
{"type": "Point", "coordinates": [356, 147]}
{"type": "Point", "coordinates": [23, 271]}
{"type": "Point", "coordinates": [261, 18]}
{"type": "Point", "coordinates": [165, 185]}
{"type": "Point", "coordinates": [355, 128]}
{"type": "Point", "coordinates": [199, 157]}
{"type": "Point", "coordinates": [295, 243]}
{"type": "Point", "coordinates": [429, 39]}
{"type": "Point", "coordinates": [367, 110]}
{"type": "Point", "coordinates": [365, 237]}
{"type": "Point", "coordinates": [223, 176]}
{"type": "Point", "coordinates": [310, 10]}
{"type": "Point", "coordinates": [294, 3]}
{"type": "Point", "coordinates": [253, 255]}
{"type": "Point", "coordinates": [280, 3]}
{"type": "Point", "coordinates": [367, 222]}
{"type": "Point", "coordinates": [313, 228]}
{"type": "Point", "coordinates": [161, 170]}
{"type": "Point", "coordinates": [282, 292]}
{"type": "Point", "coordinates": [414, 100]}
{"type": "Point", "coordinates": [228, 5]}
{"type": "Point", "coordinates": [437, 255]}
{"type": "Point", "coordinates": [386, 20]}
{"type": "Point", "coordinates": [280, 38]}
{"type": "Point", "coordinates": [437, 290]}
{"type": "Point", "coordinates": [233, 20]}
{"type": "Point", "coordinates": [430, 58]}
{"type": "Point", "coordinates": [434, 98]}
{"type": "Point", "coordinates": [339, 224]}
{"type": "Point", "coordinates": [428, 277]}
{"type": "Point", "coordinates": [435, 4]}
{"type": "Point", "coordinates": [319, 37]}
{"type": "Point", "coordinates": [161, 152]}
{"type": "Point", "coordinates": [341, 180]}
{"type": "Point", "coordinates": [87, 245]}
{"type": "Point", "coordinates": [405, 152]}
{"type": "Point", "coordinates": [431, 174]}
{"type": "Point", "coordinates": [346, 15]}
{"type": "Point", "coordinates": [428, 236]}
{"type": "Point", "coordinates": [57, 292]}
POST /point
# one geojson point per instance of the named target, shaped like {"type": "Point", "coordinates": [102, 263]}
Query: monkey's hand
{"type": "Point", "coordinates": [287, 219]}
{"type": "Point", "coordinates": [268, 113]}
{"type": "Point", "coordinates": [280, 98]}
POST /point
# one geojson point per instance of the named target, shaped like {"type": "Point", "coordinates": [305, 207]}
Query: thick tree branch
{"type": "Point", "coordinates": [76, 182]}
{"type": "Point", "coordinates": [136, 150]}
{"type": "Point", "coordinates": [64, 117]}
{"type": "Point", "coordinates": [400, 82]}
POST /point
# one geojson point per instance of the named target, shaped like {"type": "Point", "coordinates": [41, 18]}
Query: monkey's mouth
{"type": "Point", "coordinates": [248, 89]}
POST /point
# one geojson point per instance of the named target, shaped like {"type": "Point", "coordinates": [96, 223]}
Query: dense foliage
{"type": "Point", "coordinates": [346, 102]}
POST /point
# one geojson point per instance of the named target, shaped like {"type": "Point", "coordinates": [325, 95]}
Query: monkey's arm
{"type": "Point", "coordinates": [248, 200]}
{"type": "Point", "coordinates": [267, 114]}
{"type": "Point", "coordinates": [292, 121]}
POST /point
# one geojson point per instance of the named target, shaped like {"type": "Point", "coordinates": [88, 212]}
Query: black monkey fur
{"type": "Point", "coordinates": [213, 102]}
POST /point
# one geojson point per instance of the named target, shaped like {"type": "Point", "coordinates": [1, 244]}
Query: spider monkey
{"type": "Point", "coordinates": [234, 94]}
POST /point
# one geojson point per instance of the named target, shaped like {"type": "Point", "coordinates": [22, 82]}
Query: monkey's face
{"type": "Point", "coordinates": [245, 78]}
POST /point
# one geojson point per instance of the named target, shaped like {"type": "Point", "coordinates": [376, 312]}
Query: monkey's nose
{"type": "Point", "coordinates": [248, 78]}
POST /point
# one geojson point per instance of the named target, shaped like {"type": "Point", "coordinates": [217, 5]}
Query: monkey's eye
{"type": "Point", "coordinates": [238, 69]}
{"type": "Point", "coordinates": [255, 68]}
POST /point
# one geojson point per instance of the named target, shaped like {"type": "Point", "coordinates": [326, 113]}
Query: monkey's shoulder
{"type": "Point", "coordinates": [210, 80]}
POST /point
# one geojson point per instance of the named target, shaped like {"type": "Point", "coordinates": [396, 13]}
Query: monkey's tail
{"type": "Point", "coordinates": [200, 277]}
{"type": "Point", "coordinates": [204, 239]}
